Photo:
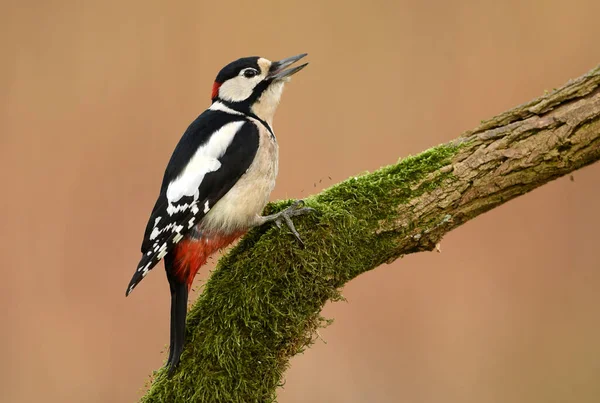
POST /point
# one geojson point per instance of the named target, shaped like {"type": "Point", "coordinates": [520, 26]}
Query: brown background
{"type": "Point", "coordinates": [94, 95]}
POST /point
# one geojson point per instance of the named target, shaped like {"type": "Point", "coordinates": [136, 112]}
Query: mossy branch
{"type": "Point", "coordinates": [262, 304]}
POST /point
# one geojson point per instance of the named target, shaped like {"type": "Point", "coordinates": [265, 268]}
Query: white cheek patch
{"type": "Point", "coordinates": [204, 161]}
{"type": "Point", "coordinates": [238, 88]}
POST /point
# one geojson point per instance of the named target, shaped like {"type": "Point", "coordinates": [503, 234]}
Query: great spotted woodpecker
{"type": "Point", "coordinates": [217, 181]}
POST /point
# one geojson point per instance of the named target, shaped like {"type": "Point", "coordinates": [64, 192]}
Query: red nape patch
{"type": "Point", "coordinates": [215, 90]}
{"type": "Point", "coordinates": [191, 254]}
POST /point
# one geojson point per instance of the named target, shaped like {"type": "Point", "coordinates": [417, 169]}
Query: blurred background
{"type": "Point", "coordinates": [94, 96]}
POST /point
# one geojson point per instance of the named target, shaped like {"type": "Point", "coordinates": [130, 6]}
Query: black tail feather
{"type": "Point", "coordinates": [173, 305]}
{"type": "Point", "coordinates": [179, 298]}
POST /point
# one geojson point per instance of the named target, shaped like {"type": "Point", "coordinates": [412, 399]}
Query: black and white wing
{"type": "Point", "coordinates": [214, 152]}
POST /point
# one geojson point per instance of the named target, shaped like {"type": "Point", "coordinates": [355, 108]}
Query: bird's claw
{"type": "Point", "coordinates": [297, 208]}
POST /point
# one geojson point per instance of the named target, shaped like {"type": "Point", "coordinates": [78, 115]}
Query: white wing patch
{"type": "Point", "coordinates": [144, 268]}
{"type": "Point", "coordinates": [204, 161]}
{"type": "Point", "coordinates": [219, 106]}
{"type": "Point", "coordinates": [162, 252]}
{"type": "Point", "coordinates": [157, 231]}
{"type": "Point", "coordinates": [172, 209]}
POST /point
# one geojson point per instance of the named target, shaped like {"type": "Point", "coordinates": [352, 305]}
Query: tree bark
{"type": "Point", "coordinates": [262, 304]}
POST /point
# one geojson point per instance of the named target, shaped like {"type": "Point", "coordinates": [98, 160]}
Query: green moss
{"type": "Point", "coordinates": [262, 304]}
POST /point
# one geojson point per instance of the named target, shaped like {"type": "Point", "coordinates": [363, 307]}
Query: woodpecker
{"type": "Point", "coordinates": [217, 181]}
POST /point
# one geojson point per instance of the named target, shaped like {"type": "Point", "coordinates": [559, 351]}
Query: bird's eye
{"type": "Point", "coordinates": [249, 73]}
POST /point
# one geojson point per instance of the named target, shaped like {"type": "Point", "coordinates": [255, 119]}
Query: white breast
{"type": "Point", "coordinates": [242, 206]}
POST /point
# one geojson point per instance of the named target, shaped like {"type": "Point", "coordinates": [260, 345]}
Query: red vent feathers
{"type": "Point", "coordinates": [191, 254]}
{"type": "Point", "coordinates": [215, 90]}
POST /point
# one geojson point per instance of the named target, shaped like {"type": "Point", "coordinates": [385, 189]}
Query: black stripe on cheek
{"type": "Point", "coordinates": [265, 124]}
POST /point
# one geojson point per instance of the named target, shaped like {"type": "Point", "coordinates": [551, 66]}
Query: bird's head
{"type": "Point", "coordinates": [254, 84]}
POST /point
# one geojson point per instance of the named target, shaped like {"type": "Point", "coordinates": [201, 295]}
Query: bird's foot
{"type": "Point", "coordinates": [296, 209]}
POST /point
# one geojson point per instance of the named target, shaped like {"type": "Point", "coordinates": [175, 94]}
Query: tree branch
{"type": "Point", "coordinates": [262, 304]}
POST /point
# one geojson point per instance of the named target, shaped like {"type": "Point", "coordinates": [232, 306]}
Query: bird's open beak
{"type": "Point", "coordinates": [278, 72]}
